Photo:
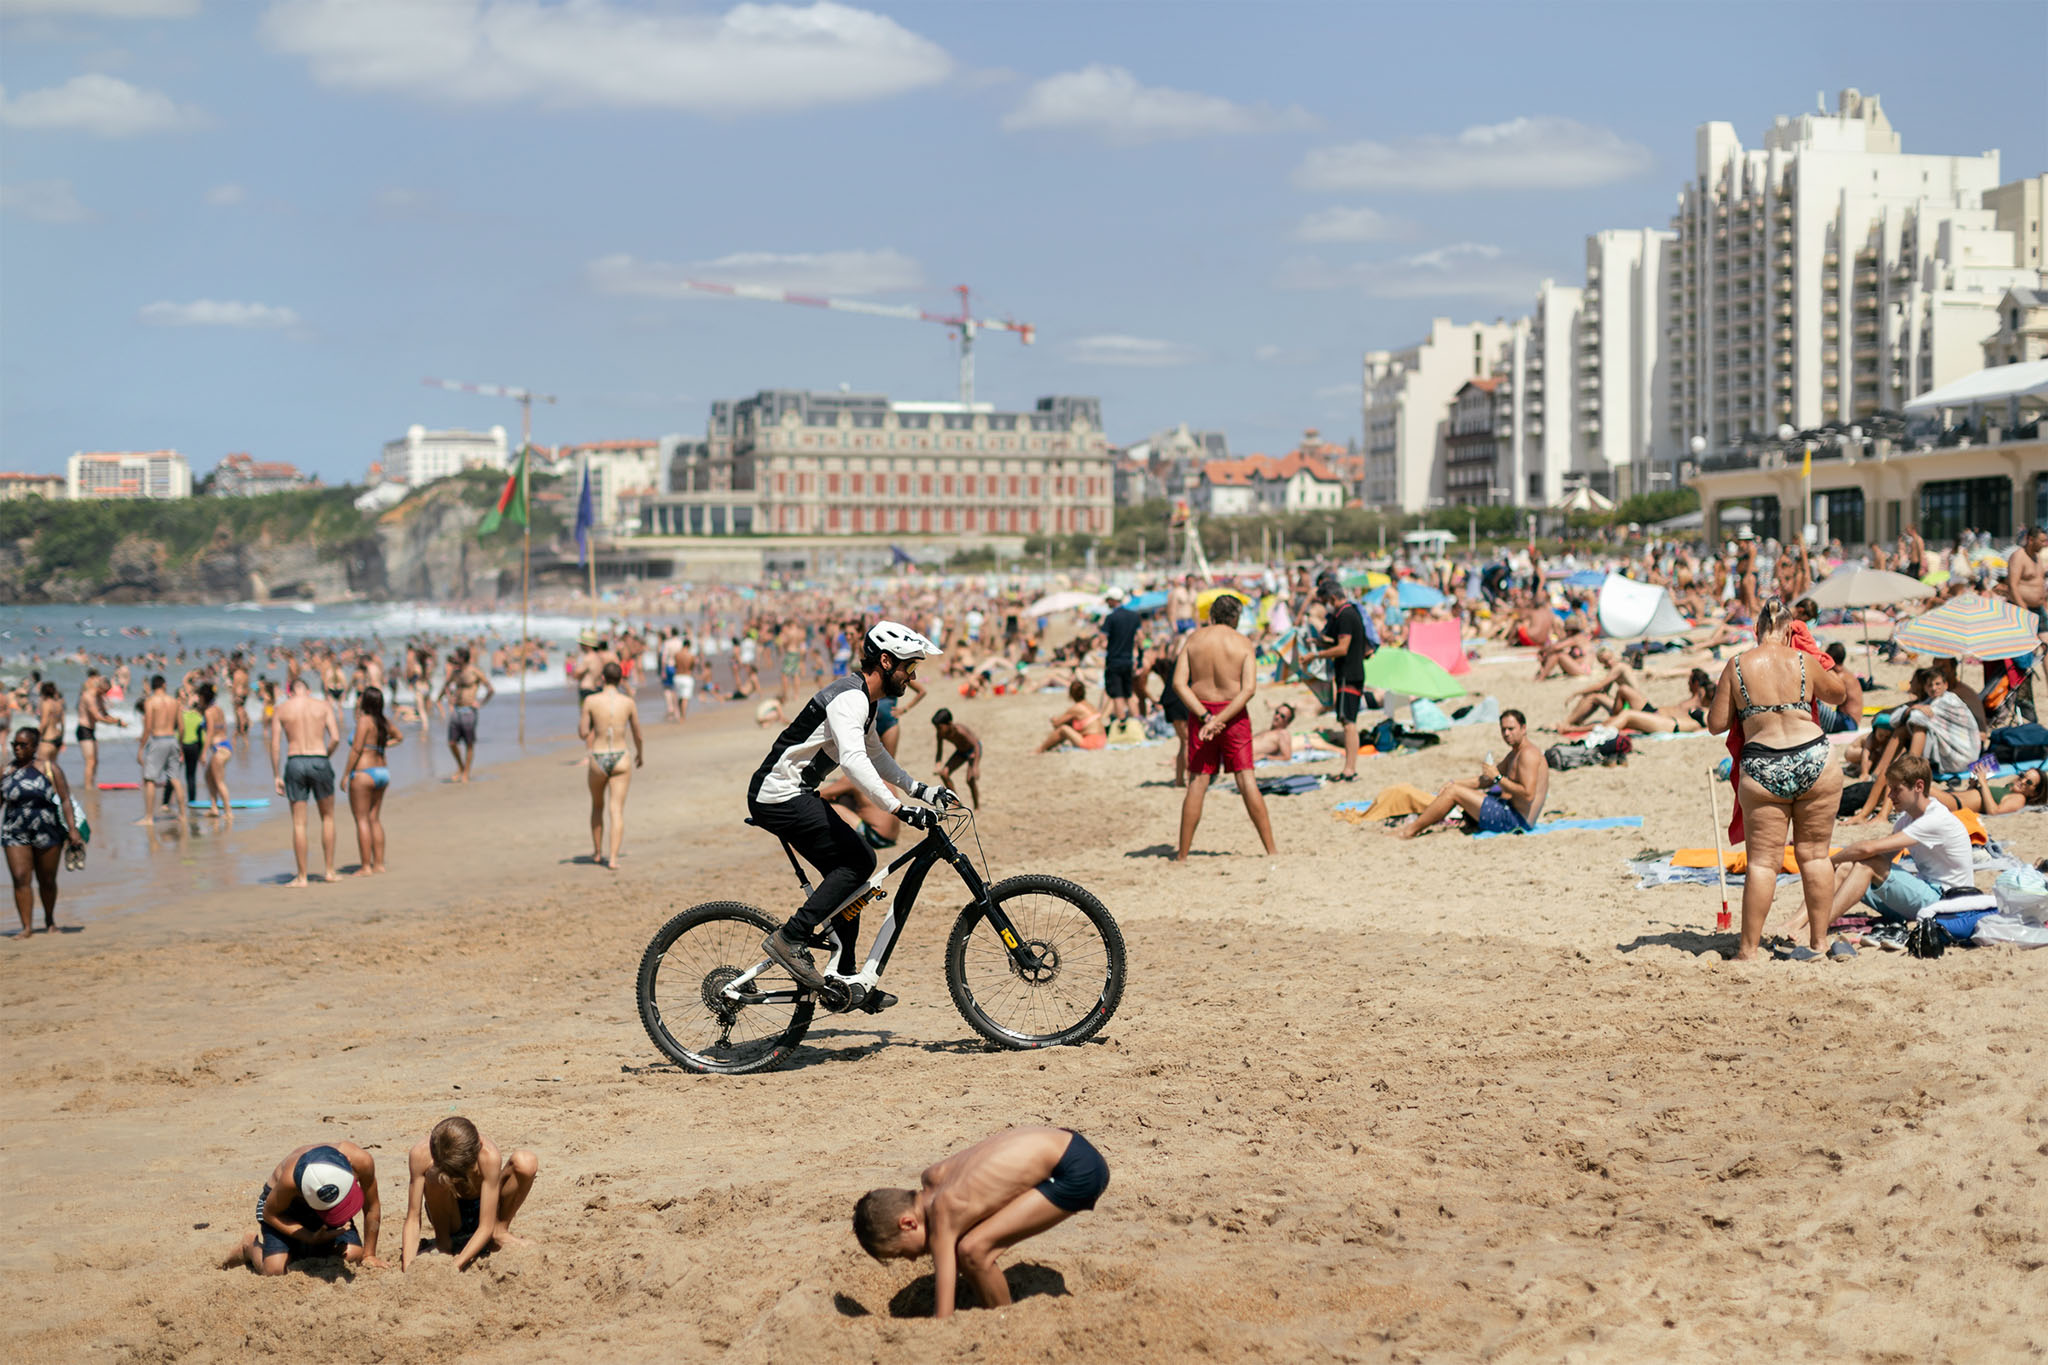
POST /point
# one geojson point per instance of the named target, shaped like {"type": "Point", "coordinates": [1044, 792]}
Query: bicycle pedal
{"type": "Point", "coordinates": [877, 1001]}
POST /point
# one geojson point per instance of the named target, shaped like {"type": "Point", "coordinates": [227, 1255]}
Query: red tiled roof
{"type": "Point", "coordinates": [1240, 473]}
{"type": "Point", "coordinates": [36, 478]}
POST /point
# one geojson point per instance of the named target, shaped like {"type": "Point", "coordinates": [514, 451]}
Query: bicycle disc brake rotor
{"type": "Point", "coordinates": [1048, 968]}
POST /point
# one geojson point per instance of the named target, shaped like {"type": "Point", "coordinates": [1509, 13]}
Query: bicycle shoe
{"type": "Point", "coordinates": [877, 1000]}
{"type": "Point", "coordinates": [793, 958]}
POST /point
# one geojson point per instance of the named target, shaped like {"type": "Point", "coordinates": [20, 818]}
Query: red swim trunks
{"type": "Point", "coordinates": [1229, 752]}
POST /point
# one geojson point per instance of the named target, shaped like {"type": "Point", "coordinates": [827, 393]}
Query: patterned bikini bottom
{"type": "Point", "coordinates": [1786, 773]}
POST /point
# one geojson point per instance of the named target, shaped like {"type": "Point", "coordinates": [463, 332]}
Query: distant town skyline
{"type": "Point", "coordinates": [257, 228]}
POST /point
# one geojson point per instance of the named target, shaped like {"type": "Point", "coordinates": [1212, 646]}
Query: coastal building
{"type": "Point", "coordinates": [2017, 208]}
{"type": "Point", "coordinates": [785, 461]}
{"type": "Point", "coordinates": [1407, 397]}
{"type": "Point", "coordinates": [158, 474]}
{"type": "Point", "coordinates": [1828, 276]}
{"type": "Point", "coordinates": [623, 475]}
{"type": "Point", "coordinates": [1302, 480]}
{"type": "Point", "coordinates": [243, 476]}
{"type": "Point", "coordinates": [16, 487]}
{"type": "Point", "coordinates": [1622, 367]}
{"type": "Point", "coordinates": [1166, 464]}
{"type": "Point", "coordinates": [1474, 442]}
{"type": "Point", "coordinates": [422, 456]}
{"type": "Point", "coordinates": [2022, 333]}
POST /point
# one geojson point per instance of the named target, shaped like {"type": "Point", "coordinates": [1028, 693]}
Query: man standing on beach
{"type": "Point", "coordinates": [2026, 585]}
{"type": "Point", "coordinates": [1215, 677]}
{"type": "Point", "coordinates": [92, 713]}
{"type": "Point", "coordinates": [1120, 660]}
{"type": "Point", "coordinates": [465, 683]}
{"type": "Point", "coordinates": [305, 728]}
{"type": "Point", "coordinates": [1350, 643]}
{"type": "Point", "coordinates": [158, 750]}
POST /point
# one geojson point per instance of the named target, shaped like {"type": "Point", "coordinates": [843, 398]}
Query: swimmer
{"type": "Point", "coordinates": [469, 1191]}
{"type": "Point", "coordinates": [366, 777]}
{"type": "Point", "coordinates": [976, 1204]}
{"type": "Point", "coordinates": [966, 752]}
{"type": "Point", "coordinates": [608, 716]}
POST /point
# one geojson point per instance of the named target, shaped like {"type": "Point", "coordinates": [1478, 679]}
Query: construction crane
{"type": "Point", "coordinates": [526, 398]}
{"type": "Point", "coordinates": [964, 323]}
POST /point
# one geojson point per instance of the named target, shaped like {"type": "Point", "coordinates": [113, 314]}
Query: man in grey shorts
{"type": "Point", "coordinates": [305, 729]}
{"type": "Point", "coordinates": [158, 753]}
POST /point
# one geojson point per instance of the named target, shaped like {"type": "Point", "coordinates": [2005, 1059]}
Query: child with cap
{"type": "Point", "coordinates": [308, 1211]}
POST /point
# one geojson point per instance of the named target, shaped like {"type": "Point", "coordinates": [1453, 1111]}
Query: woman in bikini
{"type": "Point", "coordinates": [1079, 725]}
{"type": "Point", "coordinates": [367, 777]}
{"type": "Point", "coordinates": [216, 745]}
{"type": "Point", "coordinates": [1648, 720]}
{"type": "Point", "coordinates": [1784, 779]}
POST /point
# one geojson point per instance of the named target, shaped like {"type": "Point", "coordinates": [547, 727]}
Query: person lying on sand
{"type": "Point", "coordinates": [1281, 743]}
{"type": "Point", "coordinates": [470, 1193]}
{"type": "Point", "coordinates": [1505, 800]}
{"type": "Point", "coordinates": [308, 1210]}
{"type": "Point", "coordinates": [974, 1205]}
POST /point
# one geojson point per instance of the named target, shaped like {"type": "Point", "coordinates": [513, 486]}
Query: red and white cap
{"type": "Point", "coordinates": [328, 1185]}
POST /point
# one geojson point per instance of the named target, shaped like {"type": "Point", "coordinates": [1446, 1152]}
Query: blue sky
{"type": "Point", "coordinates": [250, 226]}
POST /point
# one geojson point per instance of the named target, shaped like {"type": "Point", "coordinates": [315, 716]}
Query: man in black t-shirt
{"type": "Point", "coordinates": [1119, 664]}
{"type": "Point", "coordinates": [1350, 642]}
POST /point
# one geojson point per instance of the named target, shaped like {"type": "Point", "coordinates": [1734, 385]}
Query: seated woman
{"type": "Point", "coordinates": [1618, 690]}
{"type": "Point", "coordinates": [1648, 720]}
{"type": "Point", "coordinates": [1079, 725]}
{"type": "Point", "coordinates": [1281, 743]}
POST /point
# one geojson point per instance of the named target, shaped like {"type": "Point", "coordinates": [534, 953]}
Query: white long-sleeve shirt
{"type": "Point", "coordinates": [835, 729]}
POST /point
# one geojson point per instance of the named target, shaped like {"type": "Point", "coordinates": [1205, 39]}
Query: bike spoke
{"type": "Point", "coordinates": [1078, 967]}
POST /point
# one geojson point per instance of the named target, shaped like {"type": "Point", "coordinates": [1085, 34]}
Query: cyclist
{"type": "Point", "coordinates": [837, 727]}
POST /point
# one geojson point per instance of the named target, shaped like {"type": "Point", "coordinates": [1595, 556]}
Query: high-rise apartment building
{"type": "Point", "coordinates": [1407, 400]}
{"type": "Point", "coordinates": [422, 456]}
{"type": "Point", "coordinates": [1826, 276]}
{"type": "Point", "coordinates": [2018, 208]}
{"type": "Point", "coordinates": [160, 474]}
{"type": "Point", "coordinates": [1621, 390]}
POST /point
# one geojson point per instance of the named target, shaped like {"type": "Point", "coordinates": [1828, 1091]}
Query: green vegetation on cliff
{"type": "Point", "coordinates": [78, 538]}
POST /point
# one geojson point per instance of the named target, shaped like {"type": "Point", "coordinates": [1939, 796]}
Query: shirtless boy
{"type": "Point", "coordinates": [470, 1192]}
{"type": "Point", "coordinates": [966, 751]}
{"type": "Point", "coordinates": [608, 716]}
{"type": "Point", "coordinates": [92, 713]}
{"type": "Point", "coordinates": [468, 688]}
{"type": "Point", "coordinates": [308, 1210]}
{"type": "Point", "coordinates": [976, 1204]}
{"type": "Point", "coordinates": [1504, 800]}
{"type": "Point", "coordinates": [1215, 677]}
{"type": "Point", "coordinates": [158, 751]}
{"type": "Point", "coordinates": [304, 728]}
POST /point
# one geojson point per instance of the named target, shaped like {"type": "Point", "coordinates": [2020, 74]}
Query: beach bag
{"type": "Point", "coordinates": [1616, 751]}
{"type": "Point", "coordinates": [2022, 893]}
{"type": "Point", "coordinates": [2006, 929]}
{"type": "Point", "coordinates": [1927, 938]}
{"type": "Point", "coordinates": [1565, 757]}
{"type": "Point", "coordinates": [1385, 737]}
{"type": "Point", "coordinates": [2020, 743]}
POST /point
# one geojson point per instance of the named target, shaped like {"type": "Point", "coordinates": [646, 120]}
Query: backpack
{"type": "Point", "coordinates": [2020, 743]}
{"type": "Point", "coordinates": [1565, 757]}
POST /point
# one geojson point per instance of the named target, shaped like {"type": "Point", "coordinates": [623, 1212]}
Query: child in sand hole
{"type": "Point", "coordinates": [470, 1192]}
{"type": "Point", "coordinates": [975, 1204]}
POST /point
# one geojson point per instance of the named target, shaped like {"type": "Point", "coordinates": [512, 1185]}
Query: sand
{"type": "Point", "coordinates": [1452, 1100]}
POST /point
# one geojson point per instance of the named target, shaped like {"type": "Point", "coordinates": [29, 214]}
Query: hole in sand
{"type": "Point", "coordinates": [915, 1299]}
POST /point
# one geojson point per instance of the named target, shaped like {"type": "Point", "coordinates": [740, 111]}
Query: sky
{"type": "Point", "coordinates": [228, 225]}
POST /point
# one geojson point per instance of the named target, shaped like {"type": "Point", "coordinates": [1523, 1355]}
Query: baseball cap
{"type": "Point", "coordinates": [328, 1185]}
{"type": "Point", "coordinates": [1112, 594]}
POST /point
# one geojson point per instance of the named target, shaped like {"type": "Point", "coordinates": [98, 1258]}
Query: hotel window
{"type": "Point", "coordinates": [832, 518]}
{"type": "Point", "coordinates": [781, 484]}
{"type": "Point", "coordinates": [924, 484]}
{"type": "Point", "coordinates": [1013, 488]}
{"type": "Point", "coordinates": [1034, 493]}
{"type": "Point", "coordinates": [832, 485]}
{"type": "Point", "coordinates": [902, 485]}
{"type": "Point", "coordinates": [859, 484]}
{"type": "Point", "coordinates": [946, 487]}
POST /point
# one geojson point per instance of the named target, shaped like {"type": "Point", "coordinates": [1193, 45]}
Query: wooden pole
{"type": "Point", "coordinates": [525, 547]}
{"type": "Point", "coordinates": [1722, 922]}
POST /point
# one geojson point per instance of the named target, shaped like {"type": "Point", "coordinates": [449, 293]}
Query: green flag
{"type": "Point", "coordinates": [511, 499]}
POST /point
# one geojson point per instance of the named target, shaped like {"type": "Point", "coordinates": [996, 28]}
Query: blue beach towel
{"type": "Point", "coordinates": [1561, 826]}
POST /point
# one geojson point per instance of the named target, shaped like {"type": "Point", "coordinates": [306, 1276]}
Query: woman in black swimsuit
{"type": "Point", "coordinates": [1784, 781]}
{"type": "Point", "coordinates": [1160, 666]}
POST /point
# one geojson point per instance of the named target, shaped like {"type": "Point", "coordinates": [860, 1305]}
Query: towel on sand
{"type": "Point", "coordinates": [1562, 826]}
{"type": "Point", "coordinates": [1393, 803]}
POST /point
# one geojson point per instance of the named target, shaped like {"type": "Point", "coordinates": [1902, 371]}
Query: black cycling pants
{"type": "Point", "coordinates": [827, 843]}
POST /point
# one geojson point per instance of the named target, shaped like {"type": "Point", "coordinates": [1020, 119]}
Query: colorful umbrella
{"type": "Point", "coordinates": [1415, 675]}
{"type": "Point", "coordinates": [1970, 627]}
{"type": "Point", "coordinates": [1063, 601]}
{"type": "Point", "coordinates": [1366, 578]}
{"type": "Point", "coordinates": [1203, 602]}
{"type": "Point", "coordinates": [1147, 601]}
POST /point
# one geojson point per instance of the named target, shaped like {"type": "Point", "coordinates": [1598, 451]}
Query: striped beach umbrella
{"type": "Point", "coordinates": [1970, 627]}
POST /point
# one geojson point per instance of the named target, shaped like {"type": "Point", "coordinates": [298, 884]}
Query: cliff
{"type": "Point", "coordinates": [312, 545]}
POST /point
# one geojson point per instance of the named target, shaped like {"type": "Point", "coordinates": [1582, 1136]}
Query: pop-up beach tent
{"type": "Point", "coordinates": [1629, 609]}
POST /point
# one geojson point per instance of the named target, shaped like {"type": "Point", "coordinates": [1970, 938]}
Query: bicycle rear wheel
{"type": "Point", "coordinates": [1074, 991]}
{"type": "Point", "coordinates": [683, 974]}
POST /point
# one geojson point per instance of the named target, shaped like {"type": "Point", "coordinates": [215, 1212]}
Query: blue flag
{"type": "Point", "coordinates": [897, 556]}
{"type": "Point", "coordinates": [585, 519]}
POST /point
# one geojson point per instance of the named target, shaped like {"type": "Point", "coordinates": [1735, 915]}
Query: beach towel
{"type": "Point", "coordinates": [1487, 712]}
{"type": "Point", "coordinates": [1392, 803]}
{"type": "Point", "coordinates": [1565, 826]}
{"type": "Point", "coordinates": [1441, 641]}
{"type": "Point", "coordinates": [1312, 756]}
{"type": "Point", "coordinates": [1299, 784]}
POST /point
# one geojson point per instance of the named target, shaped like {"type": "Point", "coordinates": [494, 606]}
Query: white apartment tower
{"type": "Point", "coordinates": [1825, 277]}
{"type": "Point", "coordinates": [421, 456]}
{"type": "Point", "coordinates": [1407, 405]}
{"type": "Point", "coordinates": [1621, 380]}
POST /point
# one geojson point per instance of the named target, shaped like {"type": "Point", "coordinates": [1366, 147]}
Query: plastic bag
{"type": "Point", "coordinates": [2006, 929]}
{"type": "Point", "coordinates": [2022, 894]}
{"type": "Point", "coordinates": [1427, 715]}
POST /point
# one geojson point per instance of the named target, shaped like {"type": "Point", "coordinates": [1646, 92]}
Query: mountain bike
{"type": "Point", "coordinates": [1033, 961]}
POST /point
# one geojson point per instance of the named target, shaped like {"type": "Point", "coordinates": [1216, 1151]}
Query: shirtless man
{"type": "Point", "coordinates": [92, 713]}
{"type": "Point", "coordinates": [305, 729]}
{"type": "Point", "coordinates": [1505, 800]}
{"type": "Point", "coordinates": [158, 751]}
{"type": "Point", "coordinates": [1180, 604]}
{"type": "Point", "coordinates": [308, 1210]}
{"type": "Point", "coordinates": [238, 687]}
{"type": "Point", "coordinates": [976, 1204]}
{"type": "Point", "coordinates": [469, 689]}
{"type": "Point", "coordinates": [665, 656]}
{"type": "Point", "coordinates": [469, 1191]}
{"type": "Point", "coordinates": [1215, 677]}
{"type": "Point", "coordinates": [608, 716]}
{"type": "Point", "coordinates": [1281, 744]}
{"type": "Point", "coordinates": [966, 753]}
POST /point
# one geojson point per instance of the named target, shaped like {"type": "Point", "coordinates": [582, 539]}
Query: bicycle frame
{"type": "Point", "coordinates": [936, 846]}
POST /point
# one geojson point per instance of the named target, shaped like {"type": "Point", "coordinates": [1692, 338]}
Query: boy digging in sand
{"type": "Point", "coordinates": [975, 1204]}
{"type": "Point", "coordinates": [470, 1193]}
{"type": "Point", "coordinates": [308, 1210]}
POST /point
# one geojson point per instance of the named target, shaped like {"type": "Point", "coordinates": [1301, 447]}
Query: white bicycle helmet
{"type": "Point", "coordinates": [899, 641]}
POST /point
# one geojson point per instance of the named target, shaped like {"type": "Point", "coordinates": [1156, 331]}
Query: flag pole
{"type": "Point", "coordinates": [589, 541]}
{"type": "Point", "coordinates": [525, 551]}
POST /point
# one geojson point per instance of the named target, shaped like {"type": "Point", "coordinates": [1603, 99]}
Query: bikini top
{"type": "Point", "coordinates": [1749, 708]}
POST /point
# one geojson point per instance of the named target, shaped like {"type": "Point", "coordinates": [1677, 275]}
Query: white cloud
{"type": "Point", "coordinates": [1109, 102]}
{"type": "Point", "coordinates": [1270, 354]}
{"type": "Point", "coordinates": [103, 105]}
{"type": "Point", "coordinates": [1133, 352]}
{"type": "Point", "coordinates": [1470, 270]}
{"type": "Point", "coordinates": [1352, 390]}
{"type": "Point", "coordinates": [1350, 225]}
{"type": "Point", "coordinates": [209, 313]}
{"type": "Point", "coordinates": [804, 272]}
{"type": "Point", "coordinates": [1523, 153]}
{"type": "Point", "coordinates": [226, 196]}
{"type": "Point", "coordinates": [100, 9]}
{"type": "Point", "coordinates": [754, 58]}
{"type": "Point", "coordinates": [44, 201]}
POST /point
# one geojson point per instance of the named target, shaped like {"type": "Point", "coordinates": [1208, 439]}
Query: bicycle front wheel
{"type": "Point", "coordinates": [686, 1008]}
{"type": "Point", "coordinates": [1077, 984]}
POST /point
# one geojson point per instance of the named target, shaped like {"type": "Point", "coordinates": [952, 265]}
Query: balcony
{"type": "Point", "coordinates": [1782, 334]}
{"type": "Point", "coordinates": [1783, 261]}
{"type": "Point", "coordinates": [1784, 383]}
{"type": "Point", "coordinates": [1589, 405]}
{"type": "Point", "coordinates": [1591, 317]}
{"type": "Point", "coordinates": [1590, 361]}
{"type": "Point", "coordinates": [1867, 256]}
{"type": "Point", "coordinates": [1831, 283]}
{"type": "Point", "coordinates": [1902, 274]}
{"type": "Point", "coordinates": [1590, 426]}
{"type": "Point", "coordinates": [1589, 383]}
{"type": "Point", "coordinates": [1783, 236]}
{"type": "Point", "coordinates": [1830, 332]}
{"type": "Point", "coordinates": [1866, 279]}
{"type": "Point", "coordinates": [1830, 307]}
{"type": "Point", "coordinates": [1831, 380]}
{"type": "Point", "coordinates": [1830, 259]}
{"type": "Point", "coordinates": [1783, 359]}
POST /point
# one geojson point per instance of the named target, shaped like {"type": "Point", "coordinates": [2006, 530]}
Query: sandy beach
{"type": "Point", "coordinates": [1448, 1100]}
